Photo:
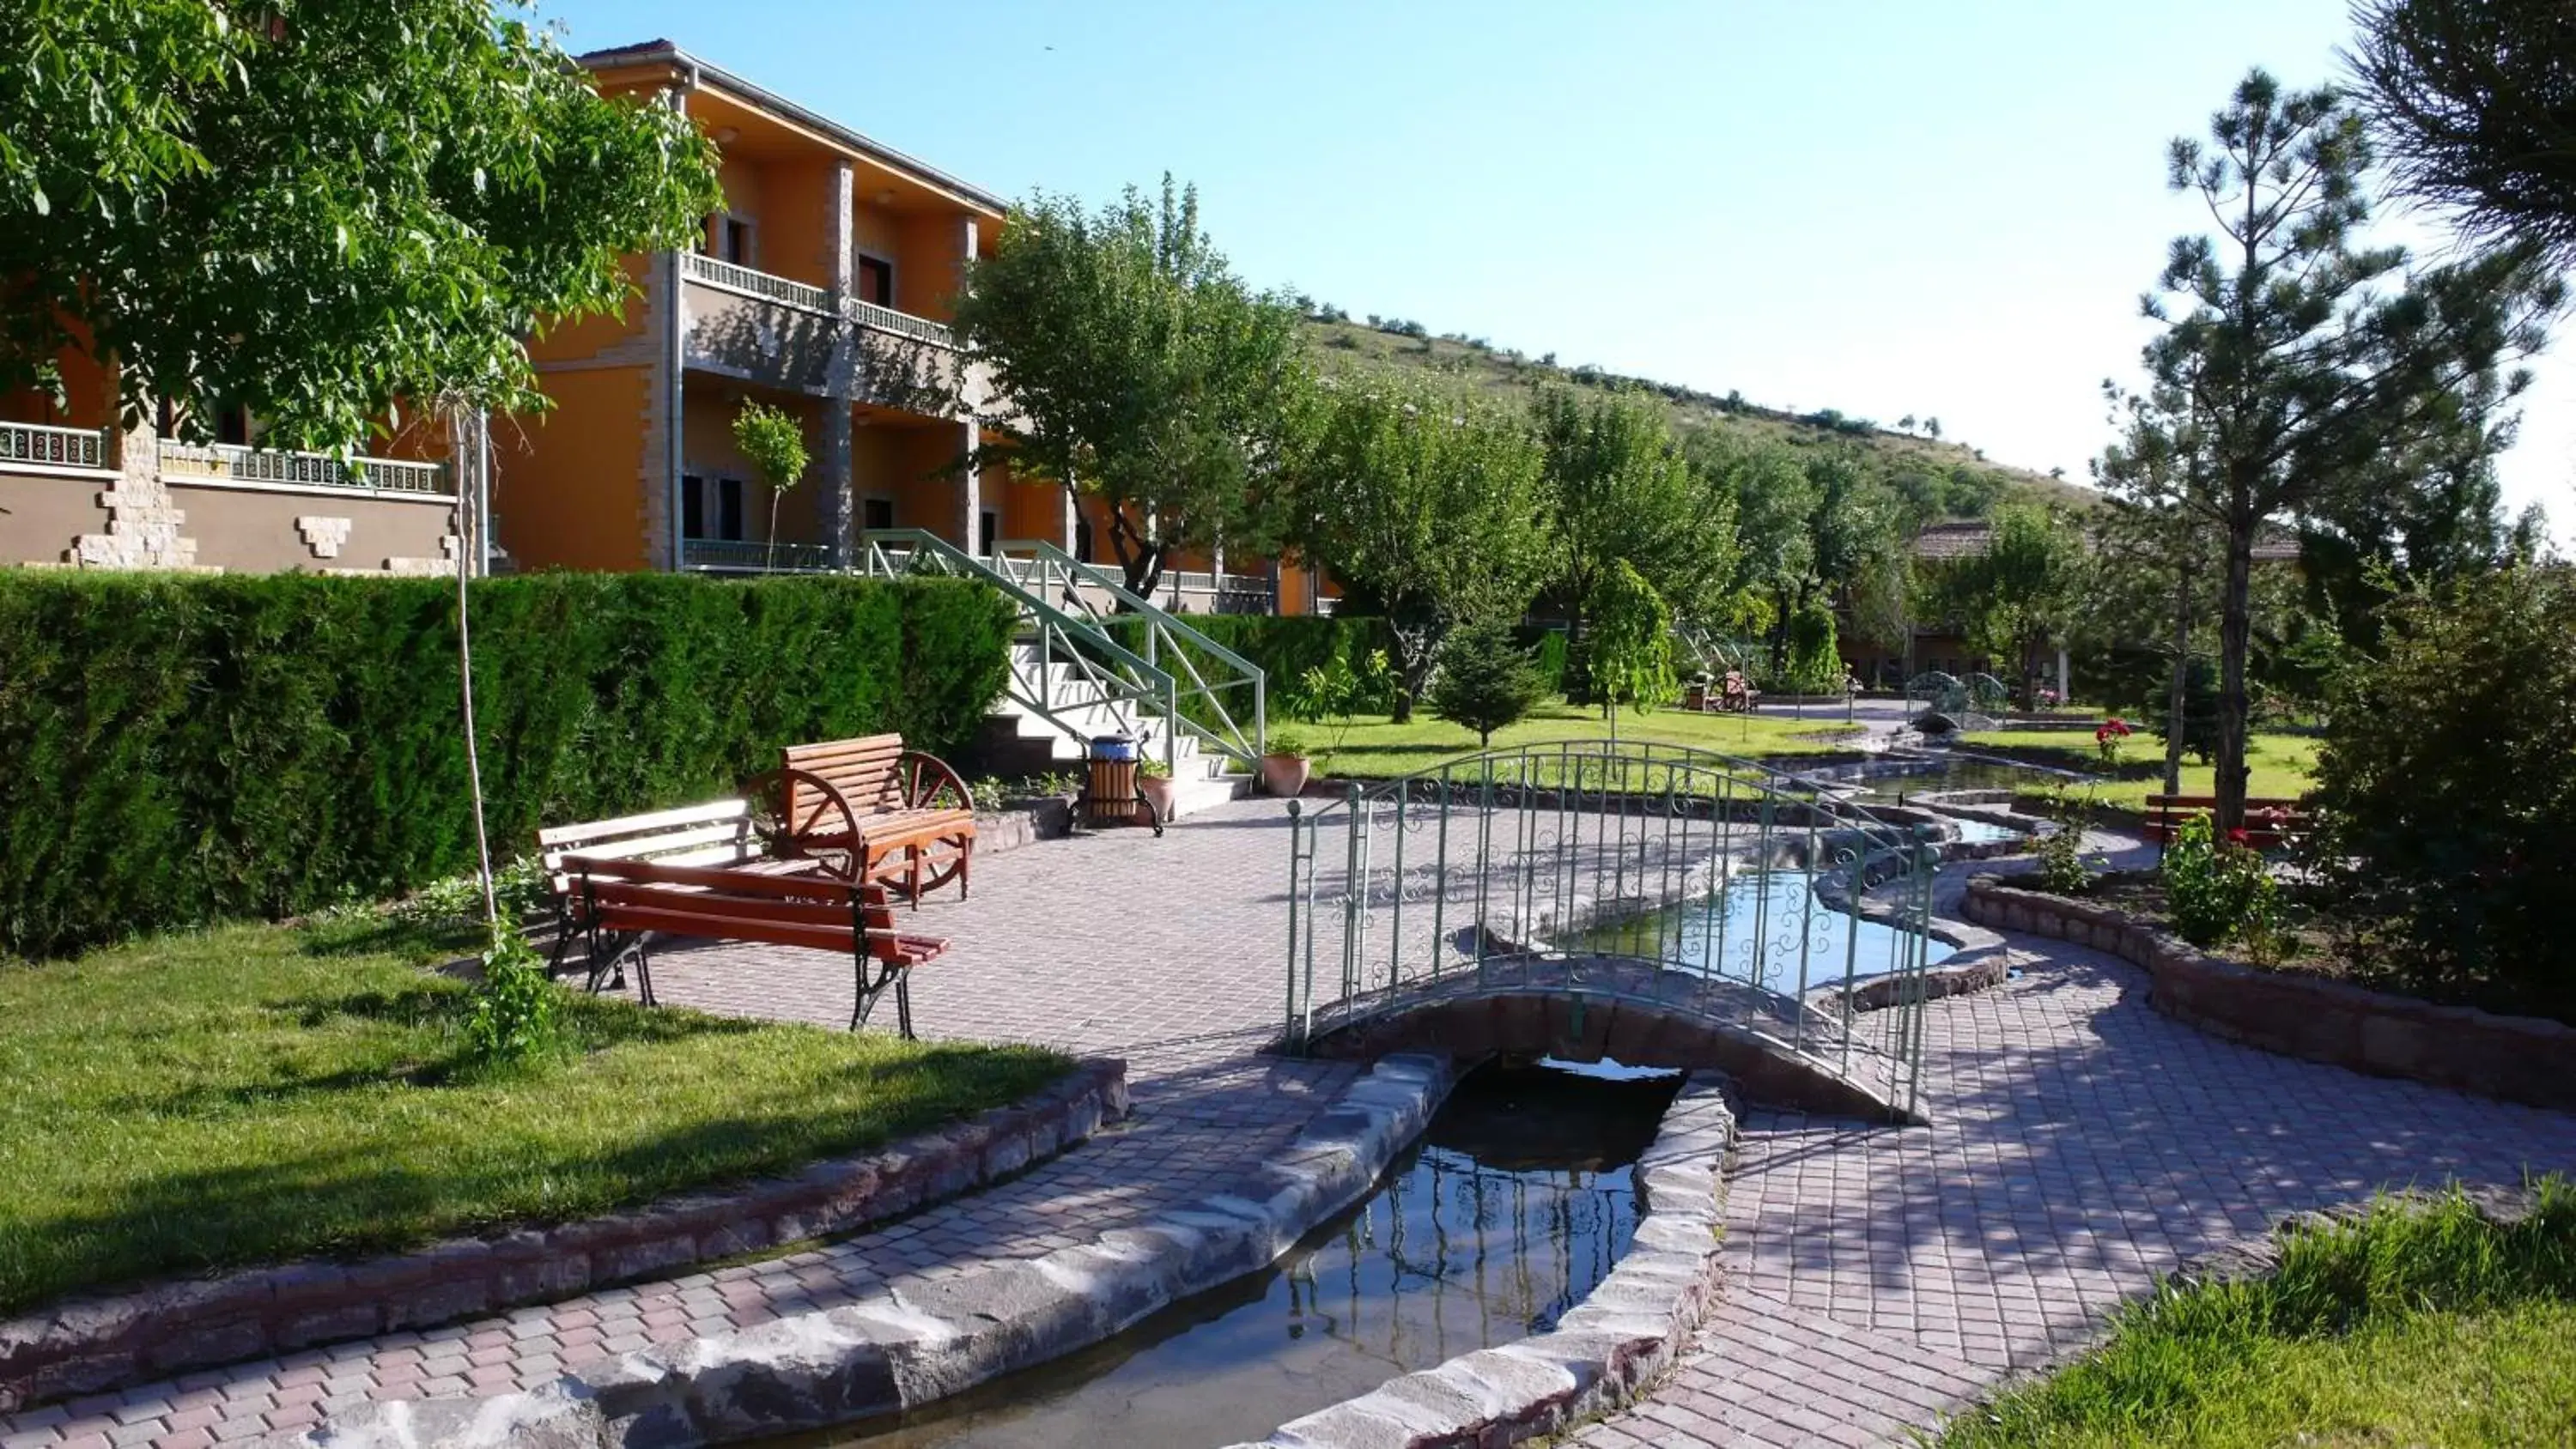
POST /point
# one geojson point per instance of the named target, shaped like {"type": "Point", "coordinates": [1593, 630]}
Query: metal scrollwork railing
{"type": "Point", "coordinates": [1658, 874]}
{"type": "Point", "coordinates": [1074, 674]}
{"type": "Point", "coordinates": [44, 445]}
{"type": "Point", "coordinates": [234, 463]}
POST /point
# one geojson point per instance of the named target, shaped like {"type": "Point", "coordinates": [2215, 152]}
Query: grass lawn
{"type": "Point", "coordinates": [1374, 748]}
{"type": "Point", "coordinates": [259, 1093]}
{"type": "Point", "coordinates": [2414, 1326]}
{"type": "Point", "coordinates": [2284, 765]}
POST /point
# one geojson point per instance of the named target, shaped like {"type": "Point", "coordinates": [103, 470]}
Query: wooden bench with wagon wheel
{"type": "Point", "coordinates": [2269, 822]}
{"type": "Point", "coordinates": [625, 902]}
{"type": "Point", "coordinates": [721, 833]}
{"type": "Point", "coordinates": [871, 810]}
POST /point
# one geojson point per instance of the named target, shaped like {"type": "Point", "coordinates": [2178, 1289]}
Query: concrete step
{"type": "Point", "coordinates": [1194, 795]}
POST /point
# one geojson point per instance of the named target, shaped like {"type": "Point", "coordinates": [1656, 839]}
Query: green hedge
{"type": "Point", "coordinates": [186, 749]}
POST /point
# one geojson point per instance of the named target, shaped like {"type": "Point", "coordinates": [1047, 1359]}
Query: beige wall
{"type": "Point", "coordinates": [254, 530]}
{"type": "Point", "coordinates": [707, 450]}
{"type": "Point", "coordinates": [41, 514]}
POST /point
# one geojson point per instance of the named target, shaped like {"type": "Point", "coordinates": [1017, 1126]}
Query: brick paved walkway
{"type": "Point", "coordinates": [2082, 1144]}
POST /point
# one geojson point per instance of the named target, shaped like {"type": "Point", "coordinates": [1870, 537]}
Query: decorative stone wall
{"type": "Point", "coordinates": [927, 1338]}
{"type": "Point", "coordinates": [88, 1345]}
{"type": "Point", "coordinates": [2516, 1058]}
{"type": "Point", "coordinates": [142, 519]}
{"type": "Point", "coordinates": [1620, 1338]}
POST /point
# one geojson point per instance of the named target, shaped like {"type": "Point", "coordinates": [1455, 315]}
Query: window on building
{"type": "Point", "coordinates": [1082, 539]}
{"type": "Point", "coordinates": [729, 239]}
{"type": "Point", "coordinates": [729, 508]}
{"type": "Point", "coordinates": [693, 506]}
{"type": "Point", "coordinates": [988, 531]}
{"type": "Point", "coordinates": [875, 513]}
{"type": "Point", "coordinates": [876, 281]}
{"type": "Point", "coordinates": [232, 425]}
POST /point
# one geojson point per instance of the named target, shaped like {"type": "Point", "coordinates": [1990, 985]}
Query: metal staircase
{"type": "Point", "coordinates": [1090, 658]}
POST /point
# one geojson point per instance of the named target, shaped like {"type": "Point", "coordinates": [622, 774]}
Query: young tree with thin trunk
{"type": "Point", "coordinates": [1128, 363]}
{"type": "Point", "coordinates": [2293, 353]}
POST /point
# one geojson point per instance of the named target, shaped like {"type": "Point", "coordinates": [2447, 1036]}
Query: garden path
{"type": "Point", "coordinates": [2081, 1145]}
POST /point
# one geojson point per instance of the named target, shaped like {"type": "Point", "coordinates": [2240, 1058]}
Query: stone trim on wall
{"type": "Point", "coordinates": [2516, 1058]}
{"type": "Point", "coordinates": [927, 1338]}
{"type": "Point", "coordinates": [93, 1344]}
{"type": "Point", "coordinates": [1623, 1335]}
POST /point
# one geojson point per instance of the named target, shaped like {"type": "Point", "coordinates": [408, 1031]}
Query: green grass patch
{"type": "Point", "coordinates": [1376, 748]}
{"type": "Point", "coordinates": [254, 1094]}
{"type": "Point", "coordinates": [2413, 1325]}
{"type": "Point", "coordinates": [2284, 765]}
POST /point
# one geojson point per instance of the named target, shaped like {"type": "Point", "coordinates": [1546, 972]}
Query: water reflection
{"type": "Point", "coordinates": [1513, 1206]}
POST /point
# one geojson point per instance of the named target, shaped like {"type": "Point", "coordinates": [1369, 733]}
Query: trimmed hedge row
{"type": "Point", "coordinates": [186, 749]}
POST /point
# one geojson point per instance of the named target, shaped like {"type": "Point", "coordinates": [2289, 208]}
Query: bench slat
{"type": "Point", "coordinates": [674, 840]}
{"type": "Point", "coordinates": [637, 824]}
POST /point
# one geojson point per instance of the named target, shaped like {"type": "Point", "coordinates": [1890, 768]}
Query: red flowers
{"type": "Point", "coordinates": [2238, 836]}
{"type": "Point", "coordinates": [2114, 728]}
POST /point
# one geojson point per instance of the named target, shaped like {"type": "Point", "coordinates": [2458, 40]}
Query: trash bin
{"type": "Point", "coordinates": [1110, 798]}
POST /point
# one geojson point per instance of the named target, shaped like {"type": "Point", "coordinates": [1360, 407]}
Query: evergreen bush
{"type": "Point", "coordinates": [183, 749]}
{"type": "Point", "coordinates": [1485, 681]}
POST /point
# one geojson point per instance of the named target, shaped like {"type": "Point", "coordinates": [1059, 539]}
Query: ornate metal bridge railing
{"type": "Point", "coordinates": [1690, 882]}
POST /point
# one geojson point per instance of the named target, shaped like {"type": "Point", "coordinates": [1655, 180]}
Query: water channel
{"type": "Point", "coordinates": [1511, 1208]}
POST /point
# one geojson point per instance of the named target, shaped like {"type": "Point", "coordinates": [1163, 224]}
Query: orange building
{"type": "Point", "coordinates": [823, 288]}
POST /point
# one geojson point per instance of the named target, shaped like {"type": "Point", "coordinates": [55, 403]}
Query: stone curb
{"type": "Point", "coordinates": [1619, 1339]}
{"type": "Point", "coordinates": [90, 1345]}
{"type": "Point", "coordinates": [2515, 1058]}
{"type": "Point", "coordinates": [927, 1338]}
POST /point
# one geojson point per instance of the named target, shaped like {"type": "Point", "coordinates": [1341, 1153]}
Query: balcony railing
{"type": "Point", "coordinates": [742, 555]}
{"type": "Point", "coordinates": [809, 298]}
{"type": "Point", "coordinates": [50, 447]}
{"type": "Point", "coordinates": [232, 463]}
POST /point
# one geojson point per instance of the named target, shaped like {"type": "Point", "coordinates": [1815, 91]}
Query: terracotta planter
{"type": "Point", "coordinates": [1159, 794]}
{"type": "Point", "coordinates": [1285, 775]}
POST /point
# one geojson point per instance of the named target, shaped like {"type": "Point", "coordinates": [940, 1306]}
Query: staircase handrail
{"type": "Point", "coordinates": [1143, 681]}
{"type": "Point", "coordinates": [1162, 628]}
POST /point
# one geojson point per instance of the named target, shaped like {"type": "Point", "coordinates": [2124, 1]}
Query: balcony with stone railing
{"type": "Point", "coordinates": [794, 335]}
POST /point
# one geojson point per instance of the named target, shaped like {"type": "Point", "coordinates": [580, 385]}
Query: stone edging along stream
{"type": "Point", "coordinates": [927, 1338]}
{"type": "Point", "coordinates": [91, 1344]}
{"type": "Point", "coordinates": [2517, 1058]}
{"type": "Point", "coordinates": [1625, 1333]}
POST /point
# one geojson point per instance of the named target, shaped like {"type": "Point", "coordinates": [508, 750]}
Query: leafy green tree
{"type": "Point", "coordinates": [1127, 361]}
{"type": "Point", "coordinates": [1486, 680]}
{"type": "Point", "coordinates": [317, 211]}
{"type": "Point", "coordinates": [2287, 357]}
{"type": "Point", "coordinates": [2020, 594]}
{"type": "Point", "coordinates": [775, 443]}
{"type": "Point", "coordinates": [1432, 504]}
{"type": "Point", "coordinates": [1628, 649]}
{"type": "Point", "coordinates": [1815, 664]}
{"type": "Point", "coordinates": [321, 212]}
{"type": "Point", "coordinates": [1624, 492]}
{"type": "Point", "coordinates": [2473, 104]}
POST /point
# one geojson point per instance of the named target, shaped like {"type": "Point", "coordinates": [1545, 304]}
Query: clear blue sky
{"type": "Point", "coordinates": [1888, 208]}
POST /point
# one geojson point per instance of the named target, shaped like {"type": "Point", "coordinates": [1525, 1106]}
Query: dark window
{"type": "Point", "coordinates": [733, 240]}
{"type": "Point", "coordinates": [1082, 539]}
{"type": "Point", "coordinates": [729, 508]}
{"type": "Point", "coordinates": [876, 281]}
{"type": "Point", "coordinates": [693, 506]}
{"type": "Point", "coordinates": [988, 531]}
{"type": "Point", "coordinates": [232, 425]}
{"type": "Point", "coordinates": [876, 513]}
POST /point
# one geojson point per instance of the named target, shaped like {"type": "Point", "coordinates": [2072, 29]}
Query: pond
{"type": "Point", "coordinates": [1899, 778]}
{"type": "Point", "coordinates": [1512, 1207]}
{"type": "Point", "coordinates": [1764, 928]}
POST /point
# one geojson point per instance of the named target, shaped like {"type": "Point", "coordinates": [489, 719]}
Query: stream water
{"type": "Point", "coordinates": [1510, 1209]}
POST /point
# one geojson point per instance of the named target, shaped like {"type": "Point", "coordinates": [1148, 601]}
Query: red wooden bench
{"type": "Point", "coordinates": [871, 810]}
{"type": "Point", "coordinates": [2269, 822]}
{"type": "Point", "coordinates": [624, 903]}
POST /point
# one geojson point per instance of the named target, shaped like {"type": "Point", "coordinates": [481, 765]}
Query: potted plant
{"type": "Point", "coordinates": [1285, 765]}
{"type": "Point", "coordinates": [1154, 782]}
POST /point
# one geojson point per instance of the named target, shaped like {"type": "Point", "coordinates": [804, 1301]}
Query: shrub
{"type": "Point", "coordinates": [2218, 891]}
{"type": "Point", "coordinates": [1282, 647]}
{"type": "Point", "coordinates": [1485, 681]}
{"type": "Point", "coordinates": [2061, 851]}
{"type": "Point", "coordinates": [1815, 666]}
{"type": "Point", "coordinates": [2446, 786]}
{"type": "Point", "coordinates": [1627, 641]}
{"type": "Point", "coordinates": [187, 749]}
{"type": "Point", "coordinates": [511, 1018]}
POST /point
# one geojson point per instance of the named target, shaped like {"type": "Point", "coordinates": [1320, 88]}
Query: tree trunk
{"type": "Point", "coordinates": [2235, 640]}
{"type": "Point", "coordinates": [2181, 675]}
{"type": "Point", "coordinates": [1140, 558]}
{"type": "Point", "coordinates": [466, 441]}
{"type": "Point", "coordinates": [1576, 682]}
{"type": "Point", "coordinates": [1415, 648]}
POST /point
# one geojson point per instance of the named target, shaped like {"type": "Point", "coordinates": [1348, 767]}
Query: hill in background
{"type": "Point", "coordinates": [1974, 484]}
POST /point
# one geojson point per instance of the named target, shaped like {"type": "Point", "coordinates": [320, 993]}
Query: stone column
{"type": "Point", "coordinates": [1072, 520]}
{"type": "Point", "coordinates": [142, 520]}
{"type": "Point", "coordinates": [832, 472]}
{"type": "Point", "coordinates": [970, 489]}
